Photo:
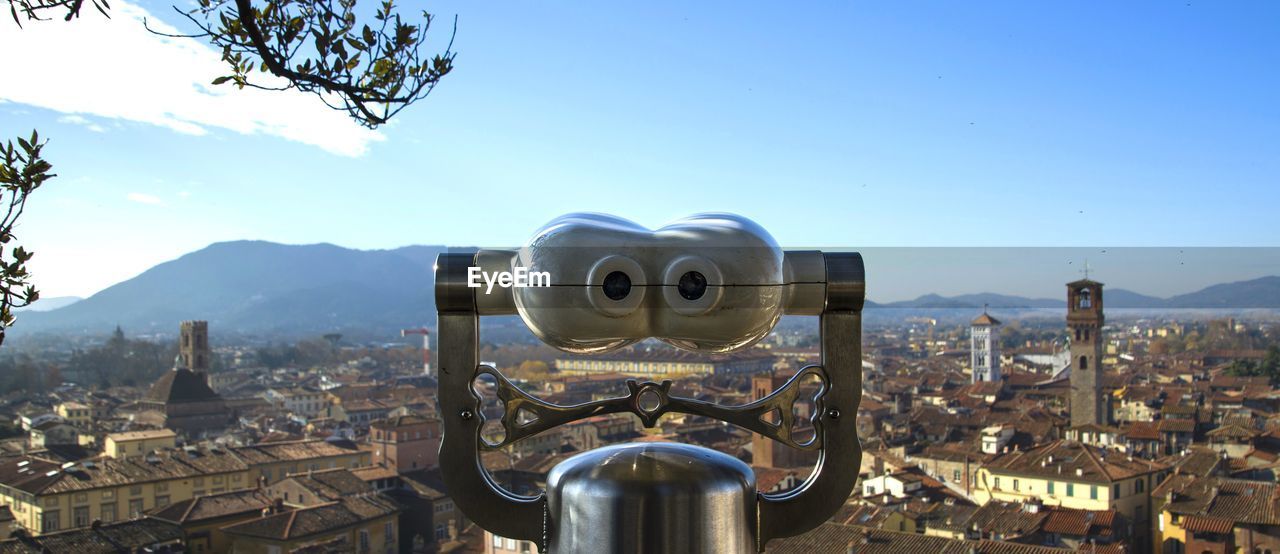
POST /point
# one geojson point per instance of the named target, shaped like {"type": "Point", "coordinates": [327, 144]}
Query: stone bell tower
{"type": "Point", "coordinates": [1084, 324]}
{"type": "Point", "coordinates": [193, 346]}
{"type": "Point", "coordinates": [984, 354]}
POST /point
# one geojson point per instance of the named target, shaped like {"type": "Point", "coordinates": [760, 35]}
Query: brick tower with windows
{"type": "Point", "coordinates": [1084, 324]}
{"type": "Point", "coordinates": [193, 346]}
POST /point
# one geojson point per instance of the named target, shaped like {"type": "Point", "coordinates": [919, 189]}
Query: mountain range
{"type": "Point", "coordinates": [46, 304]}
{"type": "Point", "coordinates": [262, 287]}
{"type": "Point", "coordinates": [1263, 292]}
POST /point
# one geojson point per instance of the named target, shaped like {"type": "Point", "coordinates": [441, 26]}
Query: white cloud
{"type": "Point", "coordinates": [74, 119]}
{"type": "Point", "coordinates": [143, 198]}
{"type": "Point", "coordinates": [115, 68]}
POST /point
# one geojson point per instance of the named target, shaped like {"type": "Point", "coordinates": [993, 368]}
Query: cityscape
{"type": "Point", "coordinates": [1016, 431]}
{"type": "Point", "coordinates": [445, 277]}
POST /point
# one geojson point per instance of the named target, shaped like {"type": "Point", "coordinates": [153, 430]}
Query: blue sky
{"type": "Point", "coordinates": [849, 124]}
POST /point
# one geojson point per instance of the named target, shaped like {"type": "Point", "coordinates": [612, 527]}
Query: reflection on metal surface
{"type": "Point", "coordinates": [663, 497]}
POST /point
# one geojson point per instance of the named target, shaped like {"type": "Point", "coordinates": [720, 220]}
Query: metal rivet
{"type": "Point", "coordinates": [466, 414]}
{"type": "Point", "coordinates": [833, 413]}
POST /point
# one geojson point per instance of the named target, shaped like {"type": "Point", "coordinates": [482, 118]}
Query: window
{"type": "Point", "coordinates": [1015, 485]}
{"type": "Point", "coordinates": [217, 479]}
{"type": "Point", "coordinates": [82, 497]}
{"type": "Point", "coordinates": [135, 490]}
{"type": "Point", "coordinates": [442, 533]}
{"type": "Point", "coordinates": [1115, 493]}
{"type": "Point", "coordinates": [364, 540]}
{"type": "Point", "coordinates": [49, 521]}
{"type": "Point", "coordinates": [1084, 362]}
{"type": "Point", "coordinates": [1093, 492]}
{"type": "Point", "coordinates": [80, 516]}
{"type": "Point", "coordinates": [997, 483]}
{"type": "Point", "coordinates": [955, 476]}
{"type": "Point", "coordinates": [497, 541]}
{"type": "Point", "coordinates": [1071, 489]}
{"type": "Point", "coordinates": [162, 487]}
{"type": "Point", "coordinates": [108, 494]}
{"type": "Point", "coordinates": [162, 501]}
{"type": "Point", "coordinates": [1138, 485]}
{"type": "Point", "coordinates": [1050, 487]}
{"type": "Point", "coordinates": [51, 501]}
{"type": "Point", "coordinates": [135, 507]}
{"type": "Point", "coordinates": [235, 478]}
{"type": "Point", "coordinates": [198, 482]}
{"type": "Point", "coordinates": [388, 532]}
{"type": "Point", "coordinates": [107, 512]}
{"type": "Point", "coordinates": [511, 544]}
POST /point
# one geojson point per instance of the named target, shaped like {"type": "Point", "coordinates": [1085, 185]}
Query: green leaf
{"type": "Point", "coordinates": [221, 80]}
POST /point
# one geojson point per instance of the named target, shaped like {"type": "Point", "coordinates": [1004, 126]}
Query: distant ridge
{"type": "Point", "coordinates": [1263, 292]}
{"type": "Point", "coordinates": [47, 304]}
{"type": "Point", "coordinates": [259, 287]}
{"type": "Point", "coordinates": [262, 287]}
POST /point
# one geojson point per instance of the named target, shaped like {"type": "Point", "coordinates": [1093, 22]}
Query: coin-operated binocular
{"type": "Point", "coordinates": [590, 283]}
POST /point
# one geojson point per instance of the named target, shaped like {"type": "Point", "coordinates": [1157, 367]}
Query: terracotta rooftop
{"type": "Point", "coordinates": [1240, 501]}
{"type": "Point", "coordinates": [332, 484]}
{"type": "Point", "coordinates": [214, 506]}
{"type": "Point", "coordinates": [39, 476]}
{"type": "Point", "coordinates": [835, 537]}
{"type": "Point", "coordinates": [127, 536]}
{"type": "Point", "coordinates": [295, 450]}
{"type": "Point", "coordinates": [181, 385]}
{"type": "Point", "coordinates": [985, 319]}
{"type": "Point", "coordinates": [310, 522]}
{"type": "Point", "coordinates": [1071, 460]}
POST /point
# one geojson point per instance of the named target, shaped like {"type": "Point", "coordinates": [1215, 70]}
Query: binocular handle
{"type": "Point", "coordinates": [829, 285]}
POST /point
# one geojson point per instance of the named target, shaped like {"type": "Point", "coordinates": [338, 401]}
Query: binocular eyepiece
{"type": "Point", "coordinates": [709, 283]}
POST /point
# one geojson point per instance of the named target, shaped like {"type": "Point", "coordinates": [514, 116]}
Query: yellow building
{"type": "Point", "coordinates": [138, 443]}
{"type": "Point", "coordinates": [1073, 475]}
{"type": "Point", "coordinates": [46, 496]}
{"type": "Point", "coordinates": [1214, 514]}
{"type": "Point", "coordinates": [75, 413]}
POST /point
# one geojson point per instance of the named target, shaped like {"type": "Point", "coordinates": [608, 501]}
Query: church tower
{"type": "Point", "coordinates": [984, 352]}
{"type": "Point", "coordinates": [1084, 324]}
{"type": "Point", "coordinates": [193, 346]}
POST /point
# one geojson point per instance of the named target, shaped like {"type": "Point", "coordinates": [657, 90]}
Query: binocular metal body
{"type": "Point", "coordinates": [709, 283]}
